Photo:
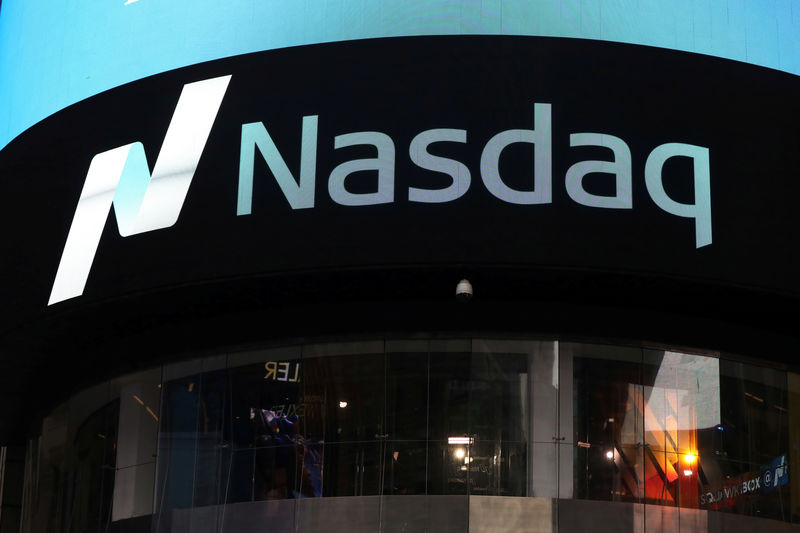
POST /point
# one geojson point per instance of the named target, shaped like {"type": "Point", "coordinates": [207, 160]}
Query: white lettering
{"type": "Point", "coordinates": [384, 164]}
{"type": "Point", "coordinates": [458, 171]}
{"type": "Point", "coordinates": [700, 211]}
{"type": "Point", "coordinates": [620, 168]}
{"type": "Point", "coordinates": [542, 139]}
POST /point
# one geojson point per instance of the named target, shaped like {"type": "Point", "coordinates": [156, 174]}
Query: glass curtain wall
{"type": "Point", "coordinates": [679, 433]}
{"type": "Point", "coordinates": [361, 419]}
{"type": "Point", "coordinates": [93, 463]}
{"type": "Point", "coordinates": [573, 434]}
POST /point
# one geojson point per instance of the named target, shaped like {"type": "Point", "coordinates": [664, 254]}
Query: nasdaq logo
{"type": "Point", "coordinates": [299, 190]}
{"type": "Point", "coordinates": [145, 202]}
{"type": "Point", "coordinates": [142, 201]}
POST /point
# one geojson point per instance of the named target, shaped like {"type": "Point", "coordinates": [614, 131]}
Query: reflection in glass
{"type": "Point", "coordinates": [483, 397]}
{"type": "Point", "coordinates": [743, 461]}
{"type": "Point", "coordinates": [92, 474]}
{"type": "Point", "coordinates": [177, 442]}
{"type": "Point", "coordinates": [675, 429]}
{"type": "Point", "coordinates": [681, 400]}
{"type": "Point", "coordinates": [270, 453]}
{"type": "Point", "coordinates": [407, 396]}
{"type": "Point", "coordinates": [405, 467]}
{"type": "Point", "coordinates": [677, 434]}
{"type": "Point", "coordinates": [608, 423]}
{"type": "Point", "coordinates": [211, 460]}
{"type": "Point", "coordinates": [137, 443]}
{"type": "Point", "coordinates": [357, 380]}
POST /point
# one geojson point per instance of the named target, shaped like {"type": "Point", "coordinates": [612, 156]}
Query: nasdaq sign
{"type": "Point", "coordinates": [145, 201]}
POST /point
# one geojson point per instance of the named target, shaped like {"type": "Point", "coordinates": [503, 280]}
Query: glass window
{"type": "Point", "coordinates": [139, 407]}
{"type": "Point", "coordinates": [608, 425]}
{"type": "Point", "coordinates": [637, 438]}
{"type": "Point", "coordinates": [681, 408]}
{"type": "Point", "coordinates": [743, 463]}
{"type": "Point", "coordinates": [406, 450]}
{"type": "Point", "coordinates": [92, 469]}
{"type": "Point", "coordinates": [264, 426]}
{"type": "Point", "coordinates": [344, 418]}
{"type": "Point", "coordinates": [479, 427]}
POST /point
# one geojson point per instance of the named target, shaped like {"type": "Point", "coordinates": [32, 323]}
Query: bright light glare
{"type": "Point", "coordinates": [610, 454]}
{"type": "Point", "coordinates": [342, 404]}
{"type": "Point", "coordinates": [460, 440]}
{"type": "Point", "coordinates": [687, 472]}
{"type": "Point", "coordinates": [460, 453]}
{"type": "Point", "coordinates": [689, 458]}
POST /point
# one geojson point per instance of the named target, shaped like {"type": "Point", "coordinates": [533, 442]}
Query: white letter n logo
{"type": "Point", "coordinates": [141, 202]}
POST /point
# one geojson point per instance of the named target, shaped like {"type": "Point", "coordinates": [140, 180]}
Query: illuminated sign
{"type": "Point", "coordinates": [300, 192]}
{"type": "Point", "coordinates": [145, 202]}
{"type": "Point", "coordinates": [142, 202]}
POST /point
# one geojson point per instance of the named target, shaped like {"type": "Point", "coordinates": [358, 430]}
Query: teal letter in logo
{"type": "Point", "coordinates": [299, 195]}
{"type": "Point", "coordinates": [142, 202]}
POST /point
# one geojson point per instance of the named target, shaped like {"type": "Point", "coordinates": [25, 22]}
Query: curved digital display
{"type": "Point", "coordinates": [53, 54]}
{"type": "Point", "coordinates": [403, 152]}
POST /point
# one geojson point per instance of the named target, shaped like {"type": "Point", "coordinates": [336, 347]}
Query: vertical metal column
{"type": "Point", "coordinates": [543, 371]}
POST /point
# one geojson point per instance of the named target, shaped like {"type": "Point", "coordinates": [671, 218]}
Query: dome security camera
{"type": "Point", "coordinates": [464, 291]}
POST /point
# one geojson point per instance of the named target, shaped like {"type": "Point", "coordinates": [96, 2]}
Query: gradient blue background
{"type": "Point", "coordinates": [54, 53]}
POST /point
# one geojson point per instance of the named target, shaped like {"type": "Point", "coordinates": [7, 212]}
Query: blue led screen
{"type": "Point", "coordinates": [55, 53]}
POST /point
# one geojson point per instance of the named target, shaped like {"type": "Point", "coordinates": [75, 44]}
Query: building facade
{"type": "Point", "coordinates": [238, 245]}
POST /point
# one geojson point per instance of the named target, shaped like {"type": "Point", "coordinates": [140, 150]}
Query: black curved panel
{"type": "Point", "coordinates": [646, 97]}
